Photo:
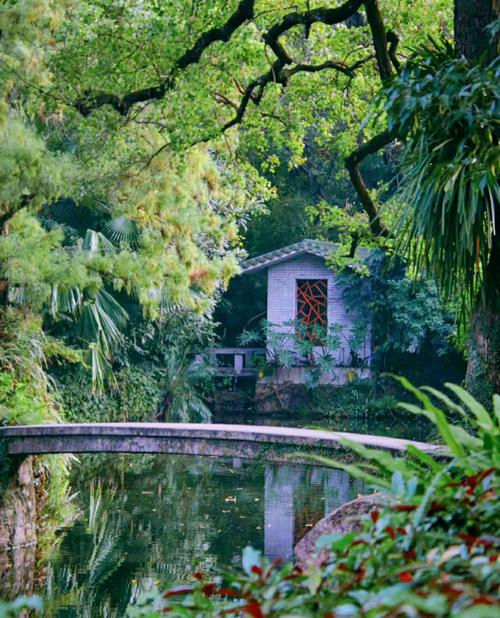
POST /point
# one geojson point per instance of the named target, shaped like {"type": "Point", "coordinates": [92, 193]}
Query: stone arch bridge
{"type": "Point", "coordinates": [245, 441]}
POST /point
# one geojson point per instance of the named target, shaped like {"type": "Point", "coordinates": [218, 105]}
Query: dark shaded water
{"type": "Point", "coordinates": [398, 424]}
{"type": "Point", "coordinates": [146, 522]}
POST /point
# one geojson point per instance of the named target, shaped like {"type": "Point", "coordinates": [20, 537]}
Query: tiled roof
{"type": "Point", "coordinates": [315, 247]}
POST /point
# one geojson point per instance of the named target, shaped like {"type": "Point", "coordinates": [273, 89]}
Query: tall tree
{"type": "Point", "coordinates": [199, 71]}
{"type": "Point", "coordinates": [472, 17]}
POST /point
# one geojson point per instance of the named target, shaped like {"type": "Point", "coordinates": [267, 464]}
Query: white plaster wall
{"type": "Point", "coordinates": [281, 297]}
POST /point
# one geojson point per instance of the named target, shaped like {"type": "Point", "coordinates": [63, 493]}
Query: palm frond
{"type": "Point", "coordinates": [447, 111]}
{"type": "Point", "coordinates": [101, 370]}
{"type": "Point", "coordinates": [95, 242]}
{"type": "Point", "coordinates": [65, 300]}
{"type": "Point", "coordinates": [181, 385]}
{"type": "Point", "coordinates": [122, 230]}
{"type": "Point", "coordinates": [103, 320]}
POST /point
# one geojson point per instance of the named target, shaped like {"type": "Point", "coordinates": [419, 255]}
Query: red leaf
{"type": "Point", "coordinates": [199, 576]}
{"type": "Point", "coordinates": [358, 542]}
{"type": "Point", "coordinates": [467, 538]}
{"type": "Point", "coordinates": [452, 592]}
{"type": "Point", "coordinates": [435, 507]}
{"type": "Point", "coordinates": [390, 532]}
{"type": "Point", "coordinates": [472, 481]}
{"type": "Point", "coordinates": [490, 494]}
{"type": "Point", "coordinates": [487, 543]}
{"type": "Point", "coordinates": [374, 515]}
{"type": "Point", "coordinates": [177, 591]}
{"type": "Point", "coordinates": [483, 600]}
{"type": "Point", "coordinates": [406, 577]}
{"type": "Point", "coordinates": [229, 592]}
{"type": "Point", "coordinates": [403, 508]}
{"type": "Point", "coordinates": [256, 569]}
{"type": "Point", "coordinates": [411, 554]}
{"type": "Point", "coordinates": [360, 573]}
{"type": "Point", "coordinates": [253, 608]}
{"type": "Point", "coordinates": [209, 589]}
{"type": "Point", "coordinates": [401, 530]}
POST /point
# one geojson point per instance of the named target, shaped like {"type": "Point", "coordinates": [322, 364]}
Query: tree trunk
{"type": "Point", "coordinates": [483, 367]}
{"type": "Point", "coordinates": [471, 18]}
{"type": "Point", "coordinates": [483, 364]}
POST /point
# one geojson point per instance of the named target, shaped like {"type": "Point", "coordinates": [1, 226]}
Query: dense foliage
{"type": "Point", "coordinates": [131, 227]}
{"type": "Point", "coordinates": [446, 109]}
{"type": "Point", "coordinates": [139, 139]}
{"type": "Point", "coordinates": [430, 549]}
{"type": "Point", "coordinates": [99, 108]}
{"type": "Point", "coordinates": [413, 330]}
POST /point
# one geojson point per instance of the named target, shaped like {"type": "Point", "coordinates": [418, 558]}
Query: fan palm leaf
{"type": "Point", "coordinates": [181, 384]}
{"type": "Point", "coordinates": [122, 230]}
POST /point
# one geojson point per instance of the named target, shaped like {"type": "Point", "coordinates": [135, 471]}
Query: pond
{"type": "Point", "coordinates": [146, 522]}
{"type": "Point", "coordinates": [397, 424]}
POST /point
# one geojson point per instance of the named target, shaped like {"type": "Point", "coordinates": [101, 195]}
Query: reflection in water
{"type": "Point", "coordinates": [147, 522]}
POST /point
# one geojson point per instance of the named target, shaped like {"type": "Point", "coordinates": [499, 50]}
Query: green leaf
{"type": "Point", "coordinates": [483, 418]}
{"type": "Point", "coordinates": [479, 611]}
{"type": "Point", "coordinates": [384, 460]}
{"type": "Point", "coordinates": [496, 407]}
{"type": "Point", "coordinates": [251, 558]}
{"type": "Point", "coordinates": [355, 471]}
{"type": "Point", "coordinates": [425, 458]}
{"type": "Point", "coordinates": [434, 414]}
{"type": "Point", "coordinates": [336, 542]}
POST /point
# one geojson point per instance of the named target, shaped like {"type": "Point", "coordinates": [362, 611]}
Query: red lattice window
{"type": "Point", "coordinates": [312, 297]}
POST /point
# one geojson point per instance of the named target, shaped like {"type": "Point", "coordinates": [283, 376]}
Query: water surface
{"type": "Point", "coordinates": [148, 521]}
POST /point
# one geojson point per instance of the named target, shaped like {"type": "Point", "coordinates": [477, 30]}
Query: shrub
{"type": "Point", "coordinates": [136, 396]}
{"type": "Point", "coordinates": [359, 398]}
{"type": "Point", "coordinates": [18, 406]}
{"type": "Point", "coordinates": [432, 550]}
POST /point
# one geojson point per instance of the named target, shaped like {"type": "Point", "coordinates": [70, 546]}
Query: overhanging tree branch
{"type": "Point", "coordinates": [245, 12]}
{"type": "Point", "coordinates": [379, 35]}
{"type": "Point", "coordinates": [352, 164]}
{"type": "Point", "coordinates": [307, 18]}
{"type": "Point", "coordinates": [385, 45]}
{"type": "Point", "coordinates": [393, 40]}
{"type": "Point", "coordinates": [122, 104]}
{"type": "Point", "coordinates": [278, 74]}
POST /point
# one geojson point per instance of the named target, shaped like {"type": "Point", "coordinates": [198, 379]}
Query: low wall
{"type": "Point", "coordinates": [297, 375]}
